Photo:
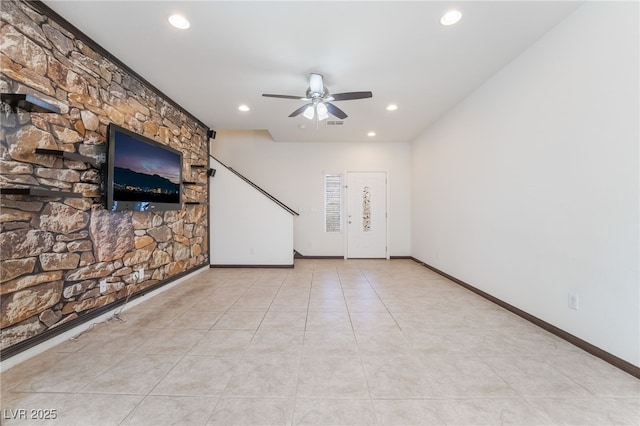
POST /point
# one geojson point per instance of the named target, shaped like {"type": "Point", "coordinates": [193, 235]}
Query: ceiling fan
{"type": "Point", "coordinates": [319, 100]}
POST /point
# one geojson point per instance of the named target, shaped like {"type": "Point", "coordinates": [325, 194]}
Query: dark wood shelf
{"type": "Point", "coordinates": [185, 182]}
{"type": "Point", "coordinates": [39, 192]}
{"type": "Point", "coordinates": [66, 154]}
{"type": "Point", "coordinates": [199, 166]}
{"type": "Point", "coordinates": [28, 103]}
{"type": "Point", "coordinates": [194, 203]}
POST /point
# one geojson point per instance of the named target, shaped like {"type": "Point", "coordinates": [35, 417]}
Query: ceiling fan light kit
{"type": "Point", "coordinates": [321, 109]}
{"type": "Point", "coordinates": [319, 100]}
{"type": "Point", "coordinates": [308, 112]}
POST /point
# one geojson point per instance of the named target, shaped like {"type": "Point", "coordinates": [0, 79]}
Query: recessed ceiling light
{"type": "Point", "coordinates": [392, 107]}
{"type": "Point", "coordinates": [244, 108]}
{"type": "Point", "coordinates": [179, 21]}
{"type": "Point", "coordinates": [371, 134]}
{"type": "Point", "coordinates": [451, 17]}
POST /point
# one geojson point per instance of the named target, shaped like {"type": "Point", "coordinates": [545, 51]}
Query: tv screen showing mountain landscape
{"type": "Point", "coordinates": [144, 172]}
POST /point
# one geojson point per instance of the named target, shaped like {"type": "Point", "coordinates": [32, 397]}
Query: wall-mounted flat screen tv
{"type": "Point", "coordinates": [141, 174]}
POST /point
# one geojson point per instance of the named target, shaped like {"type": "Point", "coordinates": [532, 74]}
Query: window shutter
{"type": "Point", "coordinates": [333, 203]}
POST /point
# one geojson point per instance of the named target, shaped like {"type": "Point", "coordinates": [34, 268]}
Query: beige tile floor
{"type": "Point", "coordinates": [330, 342]}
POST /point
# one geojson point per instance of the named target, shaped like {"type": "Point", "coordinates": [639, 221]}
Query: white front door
{"type": "Point", "coordinates": [366, 215]}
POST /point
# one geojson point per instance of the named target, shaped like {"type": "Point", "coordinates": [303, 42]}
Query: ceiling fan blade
{"type": "Point", "coordinates": [299, 110]}
{"type": "Point", "coordinates": [284, 96]}
{"type": "Point", "coordinates": [315, 83]}
{"type": "Point", "coordinates": [335, 111]}
{"type": "Point", "coordinates": [348, 96]}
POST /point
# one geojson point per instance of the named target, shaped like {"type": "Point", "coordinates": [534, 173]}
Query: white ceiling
{"type": "Point", "coordinates": [237, 50]}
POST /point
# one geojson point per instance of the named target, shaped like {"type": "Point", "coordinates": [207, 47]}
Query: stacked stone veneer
{"type": "Point", "coordinates": [55, 250]}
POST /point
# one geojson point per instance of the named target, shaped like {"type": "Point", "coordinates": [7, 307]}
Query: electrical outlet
{"type": "Point", "coordinates": [573, 301]}
{"type": "Point", "coordinates": [141, 273]}
{"type": "Point", "coordinates": [103, 286]}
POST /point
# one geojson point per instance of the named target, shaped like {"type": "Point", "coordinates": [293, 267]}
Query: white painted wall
{"type": "Point", "coordinates": [529, 188]}
{"type": "Point", "coordinates": [247, 228]}
{"type": "Point", "coordinates": [294, 173]}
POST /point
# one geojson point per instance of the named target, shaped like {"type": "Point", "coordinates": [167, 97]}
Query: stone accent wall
{"type": "Point", "coordinates": [55, 250]}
